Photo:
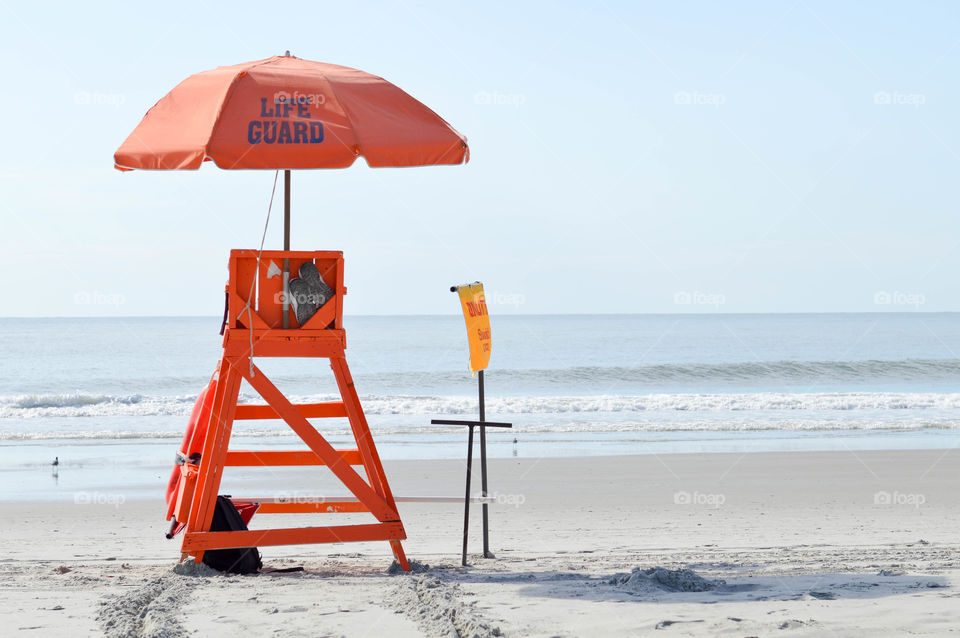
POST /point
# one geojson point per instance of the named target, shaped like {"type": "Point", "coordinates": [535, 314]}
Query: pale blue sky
{"type": "Point", "coordinates": [626, 157]}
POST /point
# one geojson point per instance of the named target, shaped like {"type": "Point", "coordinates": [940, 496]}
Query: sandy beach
{"type": "Point", "coordinates": [693, 266]}
{"type": "Point", "coordinates": [824, 543]}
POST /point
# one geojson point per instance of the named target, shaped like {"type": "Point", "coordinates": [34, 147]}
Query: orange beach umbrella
{"type": "Point", "coordinates": [287, 113]}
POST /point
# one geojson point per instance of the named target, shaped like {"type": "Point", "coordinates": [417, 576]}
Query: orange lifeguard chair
{"type": "Point", "coordinates": [254, 326]}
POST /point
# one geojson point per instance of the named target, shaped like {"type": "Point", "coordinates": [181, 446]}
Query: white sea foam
{"type": "Point", "coordinates": [65, 416]}
{"type": "Point", "coordinates": [554, 430]}
{"type": "Point", "coordinates": [97, 405]}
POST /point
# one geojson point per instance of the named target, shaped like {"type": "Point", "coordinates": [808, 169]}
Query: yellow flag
{"type": "Point", "coordinates": [478, 324]}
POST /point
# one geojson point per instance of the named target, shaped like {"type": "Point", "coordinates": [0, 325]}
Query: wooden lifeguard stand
{"type": "Point", "coordinates": [254, 328]}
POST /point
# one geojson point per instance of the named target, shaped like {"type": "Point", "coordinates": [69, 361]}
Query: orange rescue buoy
{"type": "Point", "coordinates": [191, 447]}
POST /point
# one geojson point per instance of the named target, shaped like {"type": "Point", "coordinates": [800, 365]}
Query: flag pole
{"type": "Point", "coordinates": [466, 500]}
{"type": "Point", "coordinates": [483, 465]}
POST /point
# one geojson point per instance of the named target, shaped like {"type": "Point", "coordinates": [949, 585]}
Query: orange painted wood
{"type": "Point", "coordinates": [198, 503]}
{"type": "Point", "coordinates": [194, 541]}
{"type": "Point", "coordinates": [251, 253]}
{"type": "Point", "coordinates": [322, 318]}
{"type": "Point", "coordinates": [341, 293]}
{"type": "Point", "coordinates": [242, 315]}
{"type": "Point", "coordinates": [269, 297]}
{"type": "Point", "coordinates": [331, 507]}
{"type": "Point", "coordinates": [256, 332]}
{"type": "Point", "coordinates": [268, 458]}
{"type": "Point", "coordinates": [268, 304]}
{"type": "Point", "coordinates": [330, 409]}
{"type": "Point", "coordinates": [214, 451]}
{"type": "Point", "coordinates": [285, 343]}
{"type": "Point", "coordinates": [361, 431]}
{"type": "Point", "coordinates": [378, 506]}
{"type": "Point", "coordinates": [188, 474]}
{"type": "Point", "coordinates": [400, 555]}
{"type": "Point", "coordinates": [244, 289]}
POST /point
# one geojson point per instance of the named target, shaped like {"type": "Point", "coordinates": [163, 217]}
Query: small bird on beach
{"type": "Point", "coordinates": [56, 461]}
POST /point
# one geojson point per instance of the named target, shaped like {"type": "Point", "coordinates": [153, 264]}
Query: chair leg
{"type": "Point", "coordinates": [368, 450]}
{"type": "Point", "coordinates": [214, 452]}
{"type": "Point", "coordinates": [400, 555]}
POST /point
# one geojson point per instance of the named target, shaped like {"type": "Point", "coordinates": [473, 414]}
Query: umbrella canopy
{"type": "Point", "coordinates": [288, 113]}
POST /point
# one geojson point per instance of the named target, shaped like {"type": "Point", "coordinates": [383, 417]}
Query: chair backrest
{"type": "Point", "coordinates": [267, 286]}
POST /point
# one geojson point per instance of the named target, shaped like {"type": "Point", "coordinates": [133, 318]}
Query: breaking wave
{"type": "Point", "coordinates": [92, 405]}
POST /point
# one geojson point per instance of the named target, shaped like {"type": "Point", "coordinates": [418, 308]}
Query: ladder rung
{"type": "Point", "coordinates": [353, 499]}
{"type": "Point", "coordinates": [270, 458]}
{"type": "Point", "coordinates": [329, 409]}
{"type": "Point", "coordinates": [193, 541]}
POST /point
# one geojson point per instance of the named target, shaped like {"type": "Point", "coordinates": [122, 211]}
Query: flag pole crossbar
{"type": "Point", "coordinates": [485, 499]}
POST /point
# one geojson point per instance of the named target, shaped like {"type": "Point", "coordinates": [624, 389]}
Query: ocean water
{"type": "Point", "coordinates": [110, 397]}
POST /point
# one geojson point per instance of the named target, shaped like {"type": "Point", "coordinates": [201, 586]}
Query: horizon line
{"type": "Point", "coordinates": [540, 314]}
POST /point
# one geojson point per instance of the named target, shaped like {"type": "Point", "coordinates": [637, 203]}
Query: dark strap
{"type": "Point", "coordinates": [226, 312]}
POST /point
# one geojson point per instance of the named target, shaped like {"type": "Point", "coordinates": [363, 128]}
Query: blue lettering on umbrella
{"type": "Point", "coordinates": [275, 126]}
{"type": "Point", "coordinates": [253, 132]}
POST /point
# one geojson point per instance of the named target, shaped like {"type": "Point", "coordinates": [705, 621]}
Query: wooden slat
{"type": "Point", "coordinates": [331, 507]}
{"type": "Point", "coordinates": [261, 458]}
{"type": "Point", "coordinates": [285, 343]}
{"type": "Point", "coordinates": [319, 500]}
{"type": "Point", "coordinates": [202, 541]}
{"type": "Point", "coordinates": [361, 431]}
{"type": "Point", "coordinates": [315, 441]}
{"type": "Point", "coordinates": [330, 409]}
{"type": "Point", "coordinates": [214, 449]}
{"type": "Point", "coordinates": [322, 318]}
{"type": "Point", "coordinates": [251, 253]}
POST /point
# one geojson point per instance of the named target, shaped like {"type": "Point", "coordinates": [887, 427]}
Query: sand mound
{"type": "Point", "coordinates": [416, 567]}
{"type": "Point", "coordinates": [190, 568]}
{"type": "Point", "coordinates": [655, 579]}
{"type": "Point", "coordinates": [438, 608]}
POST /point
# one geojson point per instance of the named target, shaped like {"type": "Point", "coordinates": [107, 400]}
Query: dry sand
{"type": "Point", "coordinates": [791, 544]}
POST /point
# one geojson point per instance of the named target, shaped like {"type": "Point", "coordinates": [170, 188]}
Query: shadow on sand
{"type": "Point", "coordinates": [826, 586]}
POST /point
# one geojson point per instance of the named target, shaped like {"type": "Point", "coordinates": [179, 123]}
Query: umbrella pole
{"type": "Point", "coordinates": [286, 246]}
